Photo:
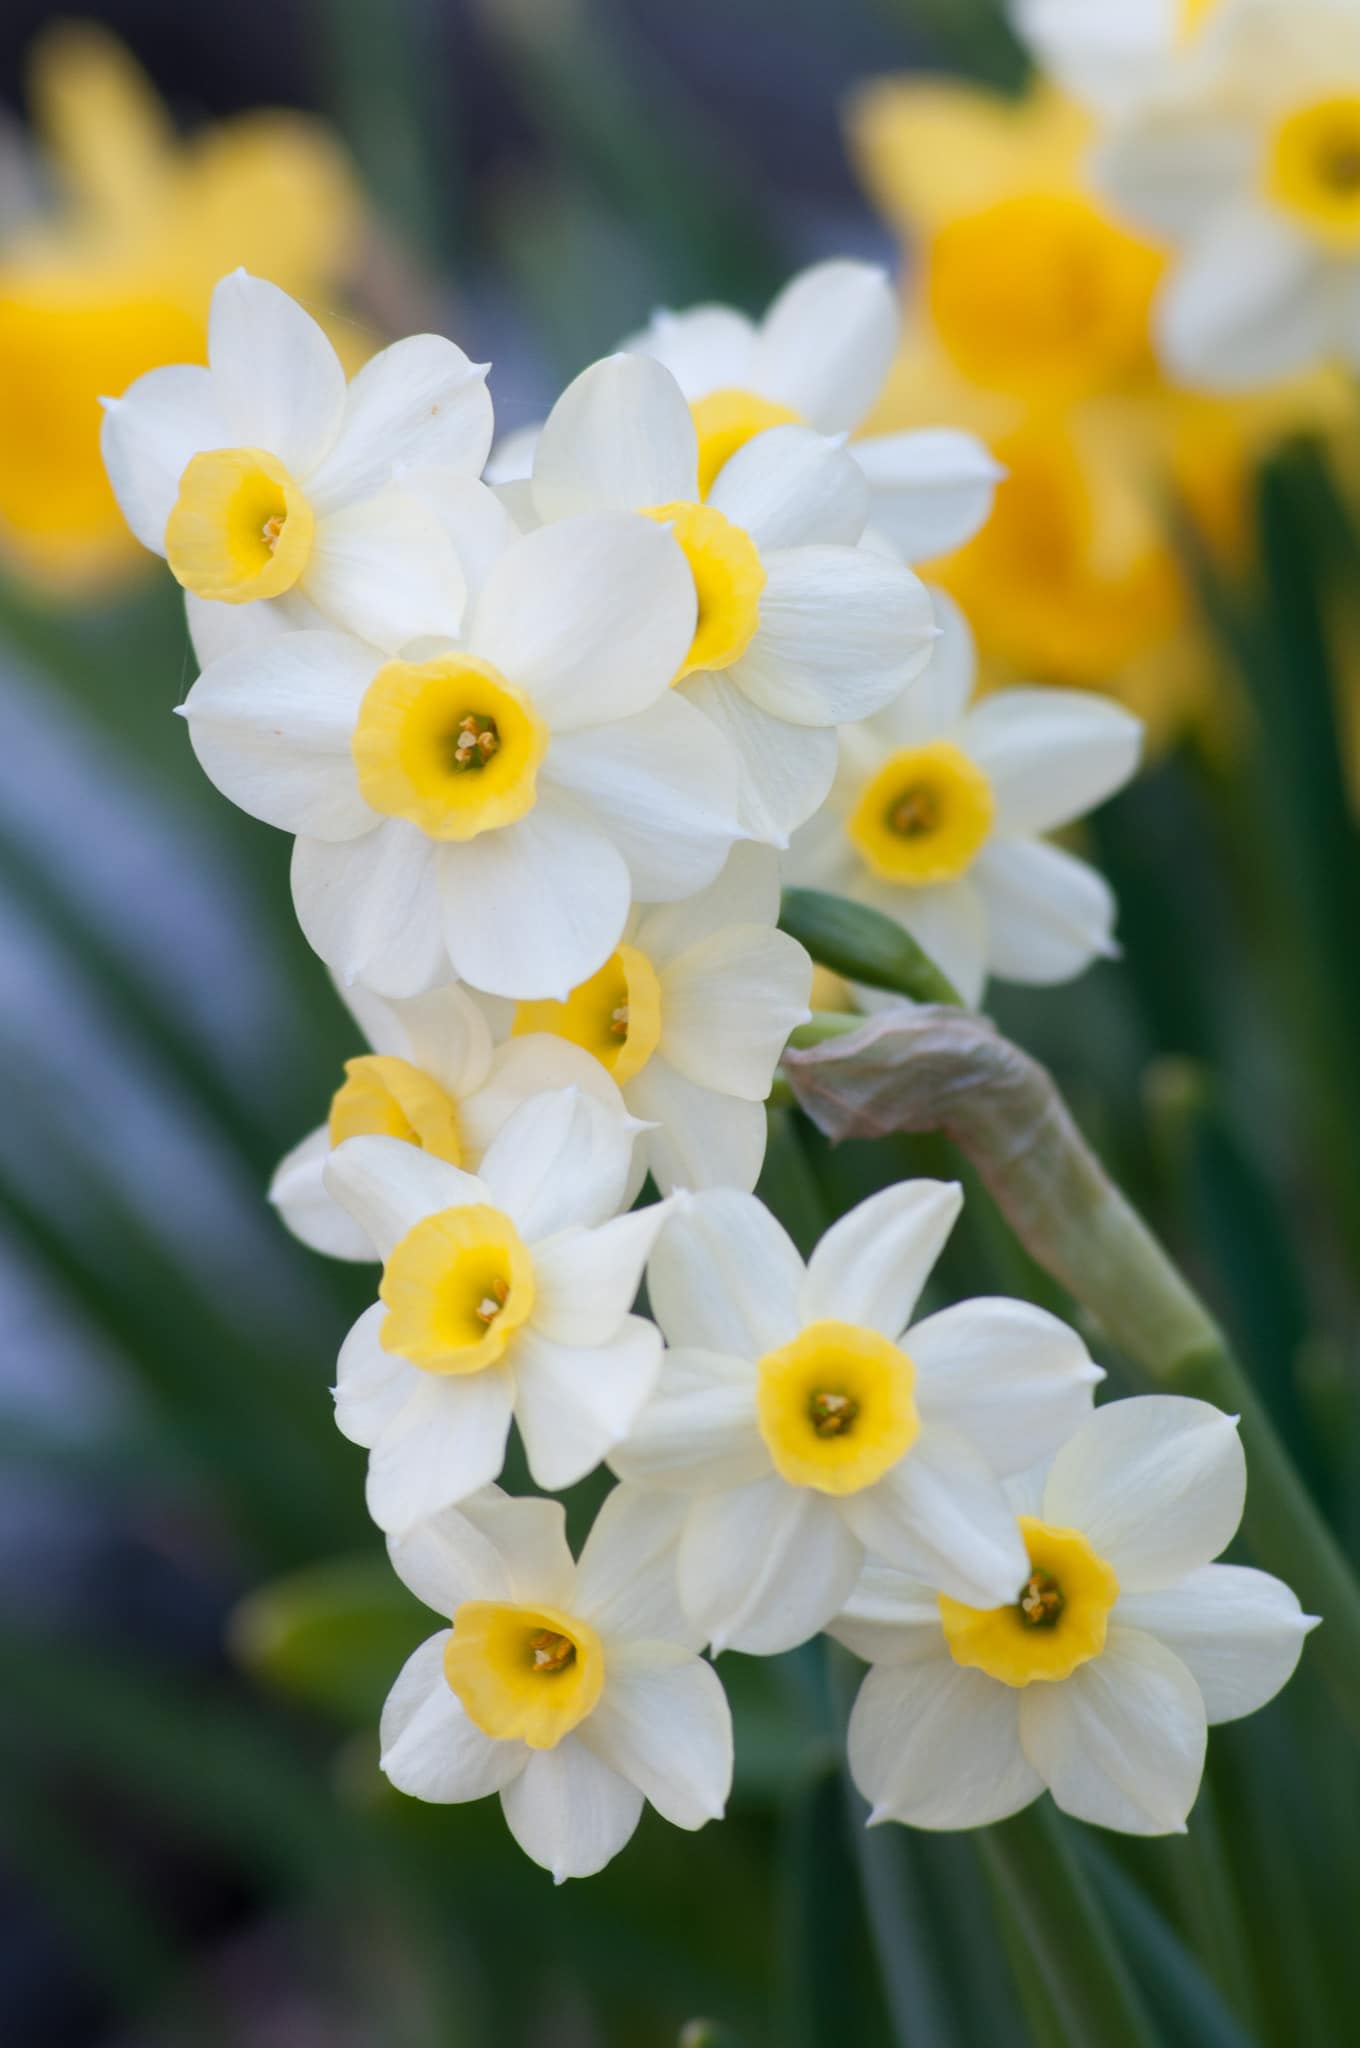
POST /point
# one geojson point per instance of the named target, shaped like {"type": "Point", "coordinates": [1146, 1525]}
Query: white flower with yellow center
{"type": "Point", "coordinates": [797, 627]}
{"type": "Point", "coordinates": [1112, 53]}
{"type": "Point", "coordinates": [487, 810]}
{"type": "Point", "coordinates": [434, 1078]}
{"type": "Point", "coordinates": [1118, 1643]}
{"type": "Point", "coordinates": [819, 358]}
{"type": "Point", "coordinates": [1249, 162]}
{"type": "Point", "coordinates": [572, 1689]}
{"type": "Point", "coordinates": [507, 1292]}
{"type": "Point", "coordinates": [689, 1016]}
{"type": "Point", "coordinates": [263, 477]}
{"type": "Point", "coordinates": [810, 1422]}
{"type": "Point", "coordinates": [937, 812]}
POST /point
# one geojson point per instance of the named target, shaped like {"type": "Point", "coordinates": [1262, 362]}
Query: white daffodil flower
{"type": "Point", "coordinates": [810, 1422]}
{"type": "Point", "coordinates": [797, 628]}
{"type": "Point", "coordinates": [1119, 1643]}
{"type": "Point", "coordinates": [434, 1078]}
{"type": "Point", "coordinates": [937, 812]}
{"type": "Point", "coordinates": [1111, 53]}
{"type": "Point", "coordinates": [486, 810]}
{"type": "Point", "coordinates": [1249, 163]}
{"type": "Point", "coordinates": [570, 1688]}
{"type": "Point", "coordinates": [265, 480]}
{"type": "Point", "coordinates": [819, 358]}
{"type": "Point", "coordinates": [507, 1292]}
{"type": "Point", "coordinates": [689, 1016]}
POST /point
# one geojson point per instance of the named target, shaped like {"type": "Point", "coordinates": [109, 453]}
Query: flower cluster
{"type": "Point", "coordinates": [541, 723]}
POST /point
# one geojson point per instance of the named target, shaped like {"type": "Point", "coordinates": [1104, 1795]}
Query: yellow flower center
{"type": "Point", "coordinates": [1314, 168]}
{"type": "Point", "coordinates": [835, 1407]}
{"type": "Point", "coordinates": [924, 816]}
{"type": "Point", "coordinates": [728, 579]}
{"type": "Point", "coordinates": [456, 1287]}
{"type": "Point", "coordinates": [240, 528]}
{"type": "Point", "coordinates": [727, 420]}
{"type": "Point", "coordinates": [1056, 1621]}
{"type": "Point", "coordinates": [1041, 294]}
{"type": "Point", "coordinates": [616, 1015]}
{"type": "Point", "coordinates": [523, 1674]}
{"type": "Point", "coordinates": [387, 1097]}
{"type": "Point", "coordinates": [448, 744]}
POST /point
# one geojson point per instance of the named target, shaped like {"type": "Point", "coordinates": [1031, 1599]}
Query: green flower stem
{"type": "Point", "coordinates": [1090, 1991]}
{"type": "Point", "coordinates": [863, 945]}
{"type": "Point", "coordinates": [937, 1069]}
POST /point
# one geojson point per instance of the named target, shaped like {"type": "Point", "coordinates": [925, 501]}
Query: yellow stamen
{"type": "Point", "coordinates": [1314, 169]}
{"type": "Point", "coordinates": [925, 816]}
{"type": "Point", "coordinates": [616, 1015]}
{"type": "Point", "coordinates": [387, 1097]}
{"type": "Point", "coordinates": [1057, 1621]}
{"type": "Point", "coordinates": [728, 579]}
{"type": "Point", "coordinates": [457, 1287]}
{"type": "Point", "coordinates": [448, 744]}
{"type": "Point", "coordinates": [523, 1674]}
{"type": "Point", "coordinates": [240, 528]}
{"type": "Point", "coordinates": [836, 1407]}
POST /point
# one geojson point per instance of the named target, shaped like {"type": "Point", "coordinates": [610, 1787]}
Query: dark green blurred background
{"type": "Point", "coordinates": [197, 1845]}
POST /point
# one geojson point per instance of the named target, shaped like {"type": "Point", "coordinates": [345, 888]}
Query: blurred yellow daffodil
{"type": "Point", "coordinates": [1030, 325]}
{"type": "Point", "coordinates": [115, 279]}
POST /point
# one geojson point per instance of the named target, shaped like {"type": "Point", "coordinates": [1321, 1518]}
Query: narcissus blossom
{"type": "Point", "coordinates": [937, 813]}
{"type": "Point", "coordinates": [507, 1292]}
{"type": "Point", "coordinates": [689, 1016]}
{"type": "Point", "coordinates": [1247, 160]}
{"type": "Point", "coordinates": [572, 1689]}
{"type": "Point", "coordinates": [797, 627]}
{"type": "Point", "coordinates": [433, 1078]}
{"type": "Point", "coordinates": [809, 1421]}
{"type": "Point", "coordinates": [1119, 1643]}
{"type": "Point", "coordinates": [265, 477]}
{"type": "Point", "coordinates": [819, 357]}
{"type": "Point", "coordinates": [486, 809]}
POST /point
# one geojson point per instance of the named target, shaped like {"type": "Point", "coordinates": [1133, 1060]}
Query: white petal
{"type": "Point", "coordinates": [537, 1064]}
{"type": "Point", "coordinates": [930, 489]}
{"type": "Point", "coordinates": [1238, 1632]}
{"type": "Point", "coordinates": [784, 770]}
{"type": "Point", "coordinates": [789, 487]}
{"type": "Point", "coordinates": [728, 1005]}
{"type": "Point", "coordinates": [491, 1548]}
{"type": "Point", "coordinates": [272, 727]}
{"type": "Point", "coordinates": [298, 1192]}
{"type": "Point", "coordinates": [418, 404]}
{"type": "Point", "coordinates": [746, 892]}
{"type": "Point", "coordinates": [1179, 171]}
{"type": "Point", "coordinates": [474, 518]}
{"type": "Point", "coordinates": [870, 1266]}
{"type": "Point", "coordinates": [276, 377]}
{"type": "Point", "coordinates": [841, 632]}
{"type": "Point", "coordinates": [1049, 915]}
{"type": "Point", "coordinates": [625, 1582]}
{"type": "Point", "coordinates": [371, 908]}
{"type": "Point", "coordinates": [882, 1619]}
{"type": "Point", "coordinates": [430, 1749]}
{"type": "Point", "coordinates": [940, 1515]}
{"type": "Point", "coordinates": [1251, 300]}
{"type": "Point", "coordinates": [764, 1567]}
{"type": "Point", "coordinates": [663, 1724]}
{"type": "Point", "coordinates": [534, 909]}
{"type": "Point", "coordinates": [148, 438]}
{"type": "Point", "coordinates": [591, 617]}
{"type": "Point", "coordinates": [388, 1187]}
{"type": "Point", "coordinates": [701, 1139]}
{"type": "Point", "coordinates": [949, 922]}
{"type": "Point", "coordinates": [512, 457]}
{"type": "Point", "coordinates": [570, 1812]}
{"type": "Point", "coordinates": [660, 786]}
{"type": "Point", "coordinates": [932, 706]}
{"type": "Point", "coordinates": [574, 1403]}
{"type": "Point", "coordinates": [444, 1031]}
{"type": "Point", "coordinates": [562, 1158]}
{"type": "Point", "coordinates": [1156, 1484]}
{"type": "Point", "coordinates": [706, 348]}
{"type": "Point", "coordinates": [372, 1385]}
{"type": "Point", "coordinates": [619, 439]}
{"type": "Point", "coordinates": [443, 1444]}
{"type": "Point", "coordinates": [217, 629]}
{"type": "Point", "coordinates": [938, 1746]}
{"type": "Point", "coordinates": [586, 1281]}
{"type": "Point", "coordinates": [698, 1432]}
{"type": "Point", "coordinates": [383, 567]}
{"type": "Point", "coordinates": [1121, 1742]}
{"type": "Point", "coordinates": [1051, 755]}
{"type": "Point", "coordinates": [826, 343]}
{"type": "Point", "coordinates": [1010, 1377]}
{"type": "Point", "coordinates": [725, 1276]}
